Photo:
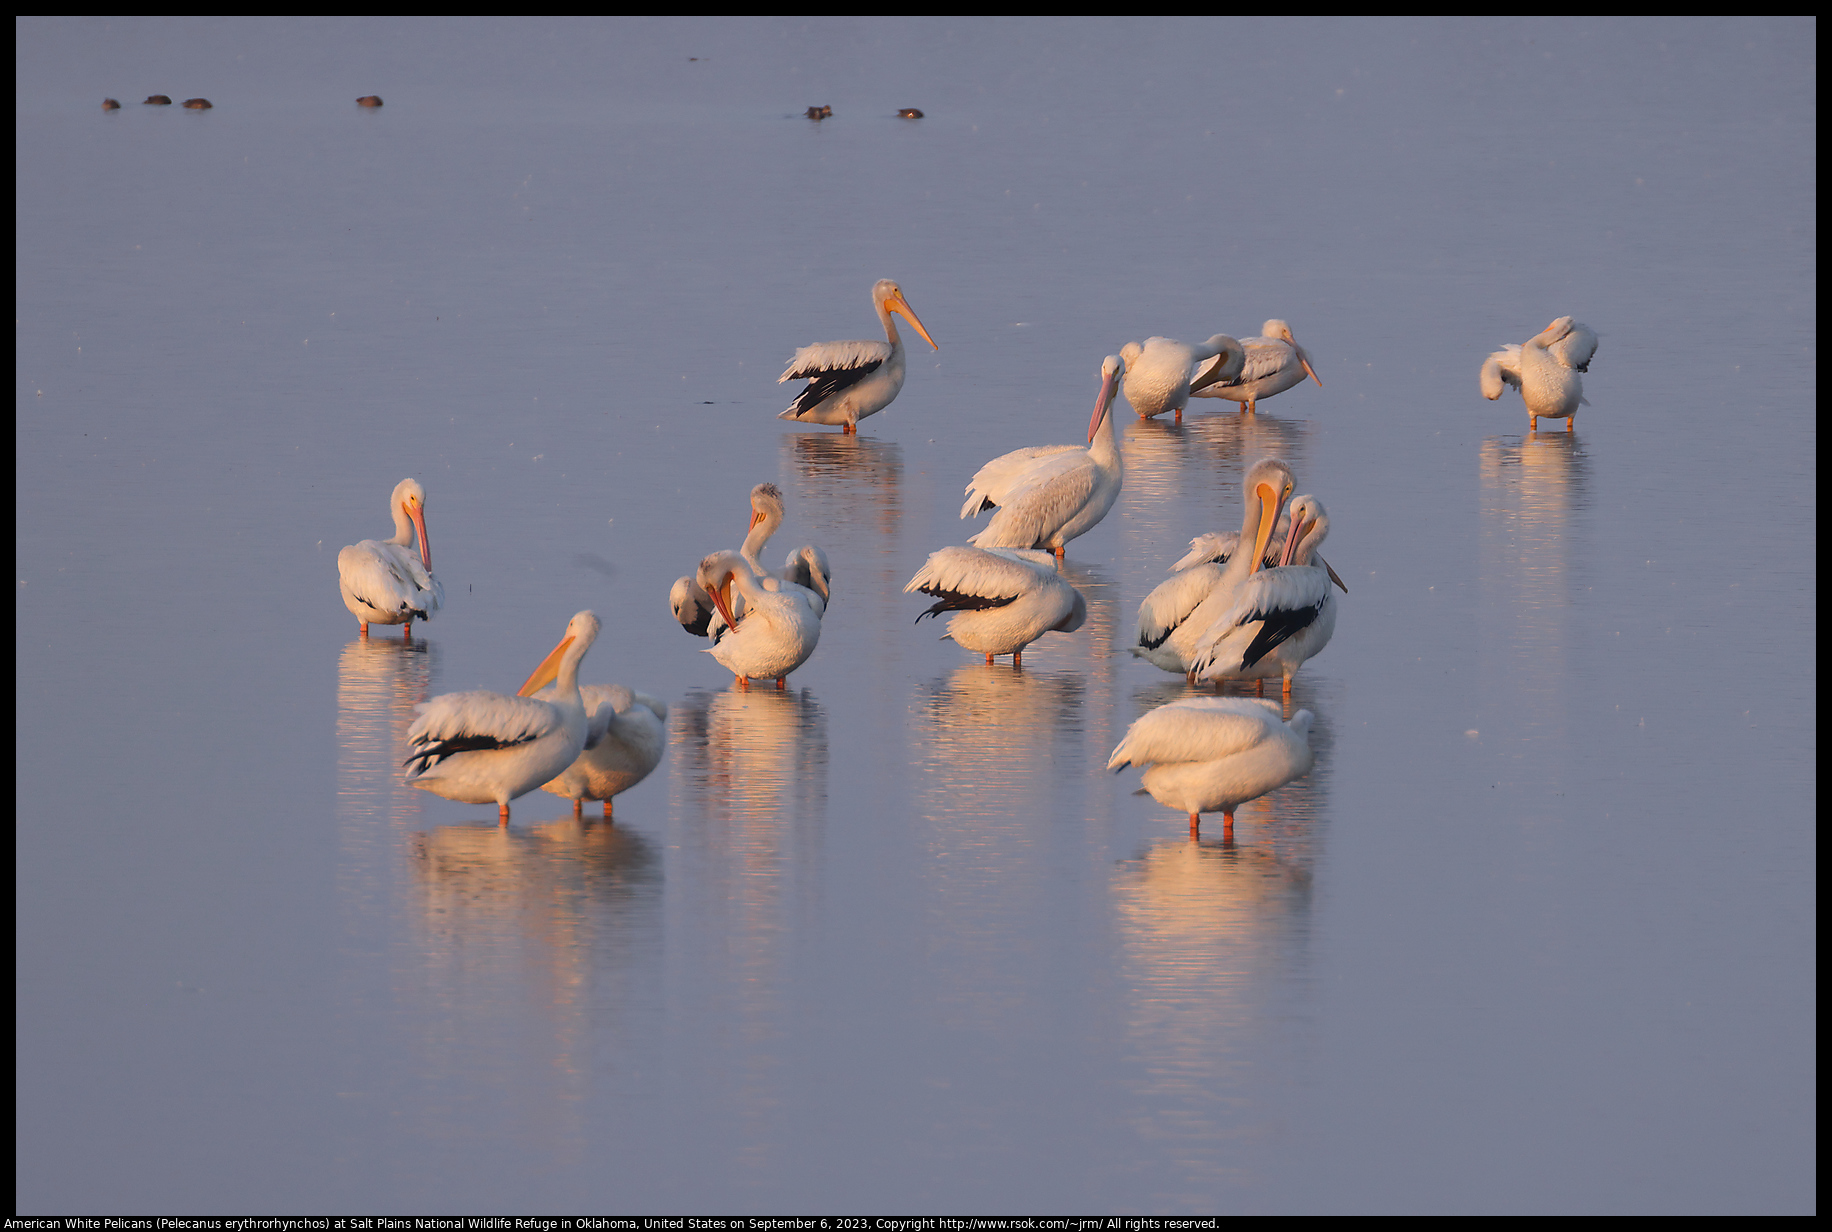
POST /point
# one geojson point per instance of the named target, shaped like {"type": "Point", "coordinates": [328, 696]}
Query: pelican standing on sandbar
{"type": "Point", "coordinates": [849, 380]}
{"type": "Point", "coordinates": [1545, 371]}
{"type": "Point", "coordinates": [384, 583]}
{"type": "Point", "coordinates": [1158, 371]}
{"type": "Point", "coordinates": [1274, 363]}
{"type": "Point", "coordinates": [479, 747]}
{"type": "Point", "coordinates": [1003, 598]}
{"type": "Point", "coordinates": [1047, 495]}
{"type": "Point", "coordinates": [1209, 753]}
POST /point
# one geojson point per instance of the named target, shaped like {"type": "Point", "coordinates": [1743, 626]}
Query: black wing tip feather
{"type": "Point", "coordinates": [960, 601]}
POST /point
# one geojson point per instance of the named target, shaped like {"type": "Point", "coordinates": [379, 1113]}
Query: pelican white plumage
{"type": "Point", "coordinates": [849, 380]}
{"type": "Point", "coordinates": [1545, 371]}
{"type": "Point", "coordinates": [1176, 613]}
{"type": "Point", "coordinates": [1274, 363]}
{"type": "Point", "coordinates": [807, 568]}
{"type": "Point", "coordinates": [480, 746]}
{"type": "Point", "coordinates": [692, 606]}
{"type": "Point", "coordinates": [1209, 753]}
{"type": "Point", "coordinates": [1047, 495]}
{"type": "Point", "coordinates": [778, 630]}
{"type": "Point", "coordinates": [384, 583]}
{"type": "Point", "coordinates": [1003, 598]}
{"type": "Point", "coordinates": [1158, 371]}
{"type": "Point", "coordinates": [1281, 616]}
{"type": "Point", "coordinates": [624, 738]}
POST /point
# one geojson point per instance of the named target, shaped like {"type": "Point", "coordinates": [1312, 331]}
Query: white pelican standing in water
{"type": "Point", "coordinates": [1209, 753]}
{"type": "Point", "coordinates": [1274, 363]}
{"type": "Point", "coordinates": [480, 746]}
{"type": "Point", "coordinates": [383, 582]}
{"type": "Point", "coordinates": [1158, 371]}
{"type": "Point", "coordinates": [1281, 616]}
{"type": "Point", "coordinates": [849, 380]}
{"type": "Point", "coordinates": [624, 737]}
{"type": "Point", "coordinates": [1545, 371]}
{"type": "Point", "coordinates": [778, 630]}
{"type": "Point", "coordinates": [1004, 598]}
{"type": "Point", "coordinates": [1047, 495]}
{"type": "Point", "coordinates": [1179, 611]}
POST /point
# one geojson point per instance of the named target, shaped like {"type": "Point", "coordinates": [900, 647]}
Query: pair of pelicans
{"type": "Point", "coordinates": [588, 742]}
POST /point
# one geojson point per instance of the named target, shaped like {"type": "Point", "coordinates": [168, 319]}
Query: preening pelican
{"type": "Point", "coordinates": [385, 584]}
{"type": "Point", "coordinates": [807, 568]}
{"type": "Point", "coordinates": [1274, 363]}
{"type": "Point", "coordinates": [1158, 371]}
{"type": "Point", "coordinates": [481, 746]}
{"type": "Point", "coordinates": [1177, 612]}
{"type": "Point", "coordinates": [1047, 495]}
{"type": "Point", "coordinates": [1281, 616]}
{"type": "Point", "coordinates": [692, 606]}
{"type": "Point", "coordinates": [849, 380]}
{"type": "Point", "coordinates": [1004, 598]}
{"type": "Point", "coordinates": [1208, 753]}
{"type": "Point", "coordinates": [779, 629]}
{"type": "Point", "coordinates": [1545, 371]}
{"type": "Point", "coordinates": [624, 737]}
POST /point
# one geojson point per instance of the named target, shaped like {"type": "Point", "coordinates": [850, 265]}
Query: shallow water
{"type": "Point", "coordinates": [1534, 935]}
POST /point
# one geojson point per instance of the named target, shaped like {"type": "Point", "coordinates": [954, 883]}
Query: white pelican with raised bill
{"type": "Point", "coordinates": [1046, 495]}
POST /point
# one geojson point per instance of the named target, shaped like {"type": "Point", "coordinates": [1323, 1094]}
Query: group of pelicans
{"type": "Point", "coordinates": [1251, 606]}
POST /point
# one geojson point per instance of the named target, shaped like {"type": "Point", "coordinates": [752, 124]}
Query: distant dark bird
{"type": "Point", "coordinates": [818, 113]}
{"type": "Point", "coordinates": [369, 100]}
{"type": "Point", "coordinates": [909, 113]}
{"type": "Point", "coordinates": [197, 104]}
{"type": "Point", "coordinates": [108, 104]}
{"type": "Point", "coordinates": [158, 100]}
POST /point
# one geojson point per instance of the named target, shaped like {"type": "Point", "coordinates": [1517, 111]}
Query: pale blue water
{"type": "Point", "coordinates": [1535, 935]}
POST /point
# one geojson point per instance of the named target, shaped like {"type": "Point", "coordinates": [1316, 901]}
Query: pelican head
{"type": "Point", "coordinates": [1308, 521]}
{"type": "Point", "coordinates": [1111, 369]}
{"type": "Point", "coordinates": [1278, 329]}
{"type": "Point", "coordinates": [766, 506]}
{"type": "Point", "coordinates": [409, 500]}
{"type": "Point", "coordinates": [717, 572]}
{"type": "Point", "coordinates": [581, 632]}
{"type": "Point", "coordinates": [887, 297]}
{"type": "Point", "coordinates": [1269, 481]}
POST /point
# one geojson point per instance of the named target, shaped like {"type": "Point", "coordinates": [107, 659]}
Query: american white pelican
{"type": "Point", "coordinates": [1545, 371]}
{"type": "Point", "coordinates": [849, 380]}
{"type": "Point", "coordinates": [1047, 495]}
{"type": "Point", "coordinates": [689, 601]}
{"type": "Point", "coordinates": [481, 746]}
{"type": "Point", "coordinates": [1208, 753]}
{"type": "Point", "coordinates": [779, 629]}
{"type": "Point", "coordinates": [1274, 363]}
{"type": "Point", "coordinates": [1281, 616]}
{"type": "Point", "coordinates": [383, 582]}
{"type": "Point", "coordinates": [1004, 598]}
{"type": "Point", "coordinates": [1158, 371]}
{"type": "Point", "coordinates": [807, 568]}
{"type": "Point", "coordinates": [624, 737]}
{"type": "Point", "coordinates": [1177, 612]}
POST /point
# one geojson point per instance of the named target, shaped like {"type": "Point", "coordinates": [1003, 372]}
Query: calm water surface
{"type": "Point", "coordinates": [1534, 935]}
